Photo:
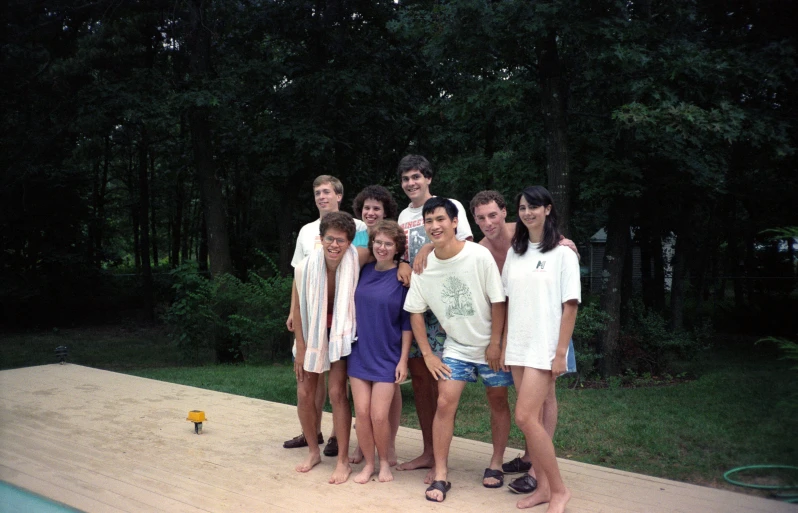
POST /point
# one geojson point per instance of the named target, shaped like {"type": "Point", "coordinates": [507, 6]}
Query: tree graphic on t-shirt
{"type": "Point", "coordinates": [457, 297]}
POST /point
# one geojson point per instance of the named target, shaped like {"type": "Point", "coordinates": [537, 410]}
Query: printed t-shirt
{"type": "Point", "coordinates": [412, 223]}
{"type": "Point", "coordinates": [537, 285]}
{"type": "Point", "coordinates": [459, 291]}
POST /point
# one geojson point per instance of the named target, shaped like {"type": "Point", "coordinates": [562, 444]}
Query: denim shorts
{"type": "Point", "coordinates": [467, 371]}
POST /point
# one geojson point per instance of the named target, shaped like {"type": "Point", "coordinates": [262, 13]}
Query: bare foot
{"type": "Point", "coordinates": [385, 472]}
{"type": "Point", "coordinates": [357, 456]}
{"type": "Point", "coordinates": [430, 477]}
{"type": "Point", "coordinates": [392, 461]}
{"type": "Point", "coordinates": [423, 461]}
{"type": "Point", "coordinates": [539, 496]}
{"type": "Point", "coordinates": [558, 502]}
{"type": "Point", "coordinates": [311, 461]}
{"type": "Point", "coordinates": [341, 473]}
{"type": "Point", "coordinates": [365, 474]}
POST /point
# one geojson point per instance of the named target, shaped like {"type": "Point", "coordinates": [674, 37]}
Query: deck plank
{"type": "Point", "coordinates": [101, 441]}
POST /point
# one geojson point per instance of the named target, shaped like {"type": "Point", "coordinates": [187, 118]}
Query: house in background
{"type": "Point", "coordinates": [598, 244]}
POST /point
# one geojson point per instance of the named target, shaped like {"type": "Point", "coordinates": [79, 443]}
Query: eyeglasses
{"type": "Point", "coordinates": [386, 245]}
{"type": "Point", "coordinates": [329, 240]}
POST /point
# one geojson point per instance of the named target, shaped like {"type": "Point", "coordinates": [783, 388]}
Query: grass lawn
{"type": "Point", "coordinates": [733, 414]}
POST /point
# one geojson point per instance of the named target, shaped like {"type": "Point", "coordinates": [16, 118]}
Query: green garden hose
{"type": "Point", "coordinates": [779, 490]}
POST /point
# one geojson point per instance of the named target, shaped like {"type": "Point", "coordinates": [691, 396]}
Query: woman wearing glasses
{"type": "Point", "coordinates": [378, 362]}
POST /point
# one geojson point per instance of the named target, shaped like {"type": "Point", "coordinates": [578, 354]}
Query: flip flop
{"type": "Point", "coordinates": [441, 486]}
{"type": "Point", "coordinates": [495, 474]}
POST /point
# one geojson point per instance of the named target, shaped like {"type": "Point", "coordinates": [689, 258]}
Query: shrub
{"type": "Point", "coordinates": [647, 344]}
{"type": "Point", "coordinates": [590, 322]}
{"type": "Point", "coordinates": [236, 319]}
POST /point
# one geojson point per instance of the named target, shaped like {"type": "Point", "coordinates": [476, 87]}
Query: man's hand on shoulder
{"type": "Point", "coordinates": [568, 243]}
{"type": "Point", "coordinates": [420, 263]}
{"type": "Point", "coordinates": [403, 273]}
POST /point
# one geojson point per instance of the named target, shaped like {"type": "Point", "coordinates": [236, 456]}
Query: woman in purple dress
{"type": "Point", "coordinates": [378, 362]}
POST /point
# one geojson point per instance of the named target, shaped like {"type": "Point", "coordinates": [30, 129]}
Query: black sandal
{"type": "Point", "coordinates": [441, 486]}
{"type": "Point", "coordinates": [495, 474]}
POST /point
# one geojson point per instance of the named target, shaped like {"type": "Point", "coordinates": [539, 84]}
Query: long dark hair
{"type": "Point", "coordinates": [536, 196]}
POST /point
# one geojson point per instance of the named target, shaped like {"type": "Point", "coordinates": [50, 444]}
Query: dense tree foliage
{"type": "Point", "coordinates": [144, 134]}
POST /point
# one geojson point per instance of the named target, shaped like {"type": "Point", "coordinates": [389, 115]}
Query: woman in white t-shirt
{"type": "Point", "coordinates": [541, 280]}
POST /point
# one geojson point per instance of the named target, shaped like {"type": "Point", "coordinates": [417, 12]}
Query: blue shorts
{"type": "Point", "coordinates": [435, 336]}
{"type": "Point", "coordinates": [467, 371]}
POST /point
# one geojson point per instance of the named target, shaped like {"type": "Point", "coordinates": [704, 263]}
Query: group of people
{"type": "Point", "coordinates": [503, 310]}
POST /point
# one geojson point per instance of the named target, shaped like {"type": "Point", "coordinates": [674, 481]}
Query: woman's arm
{"type": "Point", "coordinates": [401, 367]}
{"type": "Point", "coordinates": [504, 335]}
{"type": "Point", "coordinates": [559, 365]}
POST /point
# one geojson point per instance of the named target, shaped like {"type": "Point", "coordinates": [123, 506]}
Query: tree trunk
{"type": "Point", "coordinates": [555, 127]}
{"type": "Point", "coordinates": [153, 221]}
{"type": "Point", "coordinates": [679, 266]}
{"type": "Point", "coordinates": [177, 222]}
{"type": "Point", "coordinates": [202, 246]}
{"type": "Point", "coordinates": [620, 216]}
{"type": "Point", "coordinates": [134, 214]}
{"type": "Point", "coordinates": [144, 207]}
{"type": "Point", "coordinates": [91, 247]}
{"type": "Point", "coordinates": [199, 120]}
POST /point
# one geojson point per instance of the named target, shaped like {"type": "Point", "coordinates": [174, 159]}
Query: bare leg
{"type": "Point", "coordinates": [534, 389]}
{"type": "Point", "coordinates": [549, 422]}
{"type": "Point", "coordinates": [443, 429]}
{"type": "Point", "coordinates": [396, 419]}
{"type": "Point", "coordinates": [320, 399]}
{"type": "Point", "coordinates": [306, 409]}
{"type": "Point", "coordinates": [499, 427]}
{"type": "Point", "coordinates": [361, 392]}
{"type": "Point", "coordinates": [381, 397]}
{"type": "Point", "coordinates": [342, 420]}
{"type": "Point", "coordinates": [425, 390]}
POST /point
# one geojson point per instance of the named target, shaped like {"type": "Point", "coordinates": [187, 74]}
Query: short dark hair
{"type": "Point", "coordinates": [377, 193]}
{"type": "Point", "coordinates": [338, 221]}
{"type": "Point", "coordinates": [392, 230]}
{"type": "Point", "coordinates": [485, 197]}
{"type": "Point", "coordinates": [414, 163]}
{"type": "Point", "coordinates": [437, 202]}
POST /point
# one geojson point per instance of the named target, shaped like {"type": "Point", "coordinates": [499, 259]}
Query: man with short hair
{"type": "Point", "coordinates": [462, 287]}
{"type": "Point", "coordinates": [328, 191]}
{"type": "Point", "coordinates": [324, 323]}
{"type": "Point", "coordinates": [415, 174]}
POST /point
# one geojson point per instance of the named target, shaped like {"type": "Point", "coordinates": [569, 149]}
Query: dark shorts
{"type": "Point", "coordinates": [435, 335]}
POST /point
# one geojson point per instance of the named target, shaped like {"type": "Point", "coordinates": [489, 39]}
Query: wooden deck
{"type": "Point", "coordinates": [105, 442]}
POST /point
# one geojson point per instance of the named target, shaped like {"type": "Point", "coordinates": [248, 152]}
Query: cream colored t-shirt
{"type": "Point", "coordinates": [459, 291]}
{"type": "Point", "coordinates": [537, 285]}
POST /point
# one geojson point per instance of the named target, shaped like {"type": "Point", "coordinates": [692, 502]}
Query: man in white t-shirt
{"type": "Point", "coordinates": [462, 287]}
{"type": "Point", "coordinates": [415, 174]}
{"type": "Point", "coordinates": [328, 191]}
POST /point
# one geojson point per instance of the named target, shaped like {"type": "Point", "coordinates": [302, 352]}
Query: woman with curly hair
{"type": "Point", "coordinates": [372, 205]}
{"type": "Point", "coordinates": [378, 362]}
